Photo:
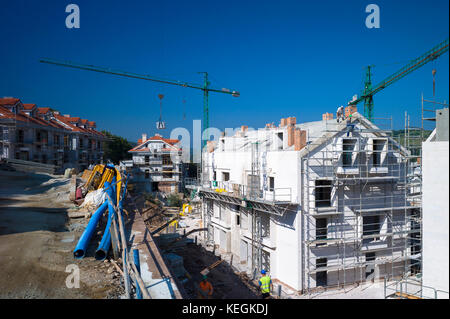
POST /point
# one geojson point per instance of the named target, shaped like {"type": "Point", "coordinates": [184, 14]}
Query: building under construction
{"type": "Point", "coordinates": [41, 134]}
{"type": "Point", "coordinates": [320, 204]}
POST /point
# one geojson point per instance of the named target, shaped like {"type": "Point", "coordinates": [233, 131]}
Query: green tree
{"type": "Point", "coordinates": [174, 200]}
{"type": "Point", "coordinates": [116, 148]}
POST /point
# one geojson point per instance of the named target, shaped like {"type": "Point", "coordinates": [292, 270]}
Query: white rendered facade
{"type": "Point", "coordinates": [278, 213]}
{"type": "Point", "coordinates": [435, 217]}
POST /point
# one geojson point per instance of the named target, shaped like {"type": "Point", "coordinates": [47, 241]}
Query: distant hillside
{"type": "Point", "coordinates": [414, 142]}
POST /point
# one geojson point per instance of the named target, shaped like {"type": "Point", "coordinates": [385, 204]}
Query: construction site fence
{"type": "Point", "coordinates": [412, 289]}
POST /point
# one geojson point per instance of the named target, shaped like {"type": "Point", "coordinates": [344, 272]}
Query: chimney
{"type": "Point", "coordinates": [291, 120]}
{"type": "Point", "coordinates": [327, 116]}
{"type": "Point", "coordinates": [283, 123]}
{"type": "Point", "coordinates": [299, 139]}
{"type": "Point", "coordinates": [66, 115]}
{"type": "Point", "coordinates": [144, 137]}
{"type": "Point", "coordinates": [56, 112]}
{"type": "Point", "coordinates": [291, 137]}
{"type": "Point", "coordinates": [244, 128]}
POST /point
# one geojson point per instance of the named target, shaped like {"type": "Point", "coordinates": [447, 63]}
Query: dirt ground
{"type": "Point", "coordinates": [37, 240]}
{"type": "Point", "coordinates": [227, 284]}
{"type": "Point", "coordinates": [226, 281]}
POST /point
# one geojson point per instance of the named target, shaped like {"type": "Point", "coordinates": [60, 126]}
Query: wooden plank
{"type": "Point", "coordinates": [115, 238]}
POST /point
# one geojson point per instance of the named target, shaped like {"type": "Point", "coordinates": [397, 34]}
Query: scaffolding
{"type": "Point", "coordinates": [360, 204]}
{"type": "Point", "coordinates": [411, 287]}
{"type": "Point", "coordinates": [255, 188]}
{"type": "Point", "coordinates": [361, 222]}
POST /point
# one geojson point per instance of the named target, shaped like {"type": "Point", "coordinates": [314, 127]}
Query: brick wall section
{"type": "Point", "coordinates": [327, 116]}
{"type": "Point", "coordinates": [299, 139]}
{"type": "Point", "coordinates": [283, 122]}
{"type": "Point", "coordinates": [291, 121]}
{"type": "Point", "coordinates": [291, 137]}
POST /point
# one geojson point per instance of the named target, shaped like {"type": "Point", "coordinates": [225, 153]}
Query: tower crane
{"type": "Point", "coordinates": [369, 90]}
{"type": "Point", "coordinates": [205, 87]}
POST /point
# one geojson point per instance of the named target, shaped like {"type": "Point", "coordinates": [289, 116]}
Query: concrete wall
{"type": "Point", "coordinates": [442, 125]}
{"type": "Point", "coordinates": [435, 215]}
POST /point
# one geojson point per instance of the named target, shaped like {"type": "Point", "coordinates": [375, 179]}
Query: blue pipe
{"type": "Point", "coordinates": [138, 267]}
{"type": "Point", "coordinates": [105, 243]}
{"type": "Point", "coordinates": [83, 242]}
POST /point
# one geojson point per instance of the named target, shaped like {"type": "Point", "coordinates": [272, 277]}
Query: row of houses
{"type": "Point", "coordinates": [42, 134]}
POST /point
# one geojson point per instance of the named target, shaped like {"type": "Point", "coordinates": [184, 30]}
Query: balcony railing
{"type": "Point", "coordinates": [279, 195]}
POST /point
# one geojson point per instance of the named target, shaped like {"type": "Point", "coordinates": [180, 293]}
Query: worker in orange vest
{"type": "Point", "coordinates": [206, 289]}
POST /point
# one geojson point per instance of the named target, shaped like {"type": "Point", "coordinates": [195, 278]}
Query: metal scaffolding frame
{"type": "Point", "coordinates": [411, 287]}
{"type": "Point", "coordinates": [347, 246]}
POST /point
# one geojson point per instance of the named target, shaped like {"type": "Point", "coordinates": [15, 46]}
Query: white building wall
{"type": "Point", "coordinates": [285, 244]}
{"type": "Point", "coordinates": [435, 202]}
{"type": "Point", "coordinates": [346, 200]}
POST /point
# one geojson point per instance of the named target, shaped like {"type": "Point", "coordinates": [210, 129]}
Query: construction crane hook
{"type": "Point", "coordinates": [160, 125]}
{"type": "Point", "coordinates": [434, 81]}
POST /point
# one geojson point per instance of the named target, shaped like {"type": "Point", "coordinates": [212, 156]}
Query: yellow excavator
{"type": "Point", "coordinates": [101, 174]}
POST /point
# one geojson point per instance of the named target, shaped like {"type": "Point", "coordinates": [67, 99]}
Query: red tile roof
{"type": "Point", "coordinates": [171, 142]}
{"type": "Point", "coordinates": [43, 110]}
{"type": "Point", "coordinates": [8, 101]}
{"type": "Point", "coordinates": [21, 116]}
{"type": "Point", "coordinates": [167, 140]}
{"type": "Point", "coordinates": [29, 107]}
{"type": "Point", "coordinates": [68, 121]}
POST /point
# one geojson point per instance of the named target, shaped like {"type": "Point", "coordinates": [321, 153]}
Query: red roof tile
{"type": "Point", "coordinates": [8, 101]}
{"type": "Point", "coordinates": [29, 107]}
{"type": "Point", "coordinates": [154, 138]}
{"type": "Point", "coordinates": [43, 110]}
{"type": "Point", "coordinates": [22, 116]}
{"type": "Point", "coordinates": [167, 140]}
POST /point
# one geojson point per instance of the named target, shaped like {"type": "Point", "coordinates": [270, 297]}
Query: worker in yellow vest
{"type": "Point", "coordinates": [265, 284]}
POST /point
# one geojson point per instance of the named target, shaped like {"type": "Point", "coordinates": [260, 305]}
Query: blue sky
{"type": "Point", "coordinates": [287, 58]}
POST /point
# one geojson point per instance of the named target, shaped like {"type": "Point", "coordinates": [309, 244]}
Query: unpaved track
{"type": "Point", "coordinates": [37, 240]}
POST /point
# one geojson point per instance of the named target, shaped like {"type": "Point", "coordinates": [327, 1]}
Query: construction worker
{"type": "Point", "coordinates": [205, 289]}
{"type": "Point", "coordinates": [340, 114]}
{"type": "Point", "coordinates": [265, 284]}
{"type": "Point", "coordinates": [350, 126]}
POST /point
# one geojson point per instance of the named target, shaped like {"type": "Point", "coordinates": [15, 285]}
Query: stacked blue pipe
{"type": "Point", "coordinates": [83, 242]}
{"type": "Point", "coordinates": [105, 243]}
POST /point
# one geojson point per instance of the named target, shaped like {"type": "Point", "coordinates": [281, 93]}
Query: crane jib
{"type": "Point", "coordinates": [431, 55]}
